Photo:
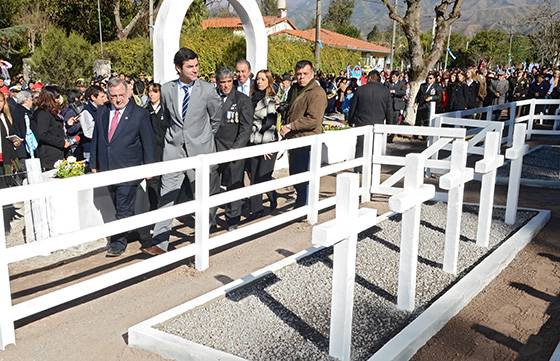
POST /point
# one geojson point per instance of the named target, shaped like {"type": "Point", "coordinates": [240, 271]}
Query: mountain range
{"type": "Point", "coordinates": [475, 14]}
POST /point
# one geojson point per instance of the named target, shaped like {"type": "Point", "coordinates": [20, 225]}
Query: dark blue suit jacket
{"type": "Point", "coordinates": [131, 145]}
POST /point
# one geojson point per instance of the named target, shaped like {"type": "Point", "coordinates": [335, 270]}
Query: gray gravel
{"type": "Point", "coordinates": [285, 316]}
{"type": "Point", "coordinates": [543, 164]}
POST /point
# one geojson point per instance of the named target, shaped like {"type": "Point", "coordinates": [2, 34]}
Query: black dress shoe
{"type": "Point", "coordinates": [272, 197]}
{"type": "Point", "coordinates": [114, 251]}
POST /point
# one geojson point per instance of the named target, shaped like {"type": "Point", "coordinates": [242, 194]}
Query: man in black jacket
{"type": "Point", "coordinates": [429, 92]}
{"type": "Point", "coordinates": [371, 104]}
{"type": "Point", "coordinates": [234, 132]}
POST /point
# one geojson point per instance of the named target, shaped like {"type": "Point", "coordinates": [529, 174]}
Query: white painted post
{"type": "Point", "coordinates": [39, 229]}
{"type": "Point", "coordinates": [515, 154]}
{"type": "Point", "coordinates": [314, 181]}
{"type": "Point", "coordinates": [366, 167]}
{"type": "Point", "coordinates": [409, 204]}
{"type": "Point", "coordinates": [202, 215]}
{"type": "Point", "coordinates": [432, 112]}
{"type": "Point", "coordinates": [7, 331]}
{"type": "Point", "coordinates": [376, 168]}
{"type": "Point", "coordinates": [489, 113]}
{"type": "Point", "coordinates": [511, 123]}
{"type": "Point", "coordinates": [487, 167]}
{"type": "Point", "coordinates": [531, 119]}
{"type": "Point", "coordinates": [344, 269]}
{"type": "Point", "coordinates": [454, 181]}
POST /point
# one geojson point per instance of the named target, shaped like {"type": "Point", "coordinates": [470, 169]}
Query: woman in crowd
{"type": "Point", "coordinates": [472, 88]}
{"type": "Point", "coordinates": [48, 127]}
{"type": "Point", "coordinates": [159, 125]}
{"type": "Point", "coordinates": [457, 92]}
{"type": "Point", "coordinates": [7, 145]}
{"type": "Point", "coordinates": [264, 131]}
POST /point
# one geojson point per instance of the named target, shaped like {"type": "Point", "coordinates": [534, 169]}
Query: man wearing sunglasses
{"type": "Point", "coordinates": [429, 92]}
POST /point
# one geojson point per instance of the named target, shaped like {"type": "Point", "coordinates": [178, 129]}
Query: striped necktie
{"type": "Point", "coordinates": [186, 99]}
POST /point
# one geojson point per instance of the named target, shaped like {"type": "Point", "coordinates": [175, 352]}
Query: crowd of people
{"type": "Point", "coordinates": [121, 121]}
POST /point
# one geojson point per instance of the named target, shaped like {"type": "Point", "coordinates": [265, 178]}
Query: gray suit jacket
{"type": "Point", "coordinates": [194, 135]}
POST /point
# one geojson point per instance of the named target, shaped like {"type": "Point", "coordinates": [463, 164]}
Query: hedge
{"type": "Point", "coordinates": [218, 47]}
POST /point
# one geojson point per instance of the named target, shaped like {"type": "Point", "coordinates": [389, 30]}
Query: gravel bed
{"type": "Point", "coordinates": [543, 164]}
{"type": "Point", "coordinates": [286, 315]}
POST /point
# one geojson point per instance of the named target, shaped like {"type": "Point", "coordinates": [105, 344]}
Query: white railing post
{"type": "Point", "coordinates": [488, 113]}
{"type": "Point", "coordinates": [511, 123]}
{"type": "Point", "coordinates": [531, 120]}
{"type": "Point", "coordinates": [515, 154]}
{"type": "Point", "coordinates": [409, 202]}
{"type": "Point", "coordinates": [7, 331]}
{"type": "Point", "coordinates": [454, 182]}
{"type": "Point", "coordinates": [376, 167]}
{"type": "Point", "coordinates": [432, 112]}
{"type": "Point", "coordinates": [344, 269]}
{"type": "Point", "coordinates": [315, 180]}
{"type": "Point", "coordinates": [366, 168]}
{"type": "Point", "coordinates": [202, 215]}
{"type": "Point", "coordinates": [36, 220]}
{"type": "Point", "coordinates": [487, 167]}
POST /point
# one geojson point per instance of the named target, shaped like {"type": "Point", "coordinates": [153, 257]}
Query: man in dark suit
{"type": "Point", "coordinates": [234, 132]}
{"type": "Point", "coordinates": [429, 92]}
{"type": "Point", "coordinates": [371, 104]}
{"type": "Point", "coordinates": [397, 89]}
{"type": "Point", "coordinates": [122, 137]}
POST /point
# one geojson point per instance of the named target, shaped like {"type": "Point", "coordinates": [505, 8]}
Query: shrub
{"type": "Point", "coordinates": [62, 59]}
{"type": "Point", "coordinates": [130, 56]}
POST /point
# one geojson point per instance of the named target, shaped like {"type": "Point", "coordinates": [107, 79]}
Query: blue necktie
{"type": "Point", "coordinates": [185, 101]}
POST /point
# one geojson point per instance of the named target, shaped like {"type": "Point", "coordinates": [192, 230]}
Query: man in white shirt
{"type": "Point", "coordinates": [243, 72]}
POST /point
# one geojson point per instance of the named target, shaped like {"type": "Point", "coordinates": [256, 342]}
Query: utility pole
{"type": "Point", "coordinates": [318, 37]}
{"type": "Point", "coordinates": [447, 52]}
{"type": "Point", "coordinates": [393, 40]}
{"type": "Point", "coordinates": [100, 30]}
{"type": "Point", "coordinates": [509, 53]}
{"type": "Point", "coordinates": [151, 21]}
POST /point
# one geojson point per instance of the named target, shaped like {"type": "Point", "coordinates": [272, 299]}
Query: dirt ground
{"type": "Point", "coordinates": [515, 317]}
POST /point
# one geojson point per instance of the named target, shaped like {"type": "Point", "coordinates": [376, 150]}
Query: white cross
{"type": "Point", "coordinates": [342, 233]}
{"type": "Point", "coordinates": [515, 154]}
{"type": "Point", "coordinates": [408, 202]}
{"type": "Point", "coordinates": [487, 167]}
{"type": "Point", "coordinates": [454, 183]}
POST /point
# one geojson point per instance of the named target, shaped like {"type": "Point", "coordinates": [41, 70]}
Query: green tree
{"type": "Point", "coordinates": [269, 7]}
{"type": "Point", "coordinates": [373, 35]}
{"type": "Point", "coordinates": [491, 45]}
{"type": "Point", "coordinates": [197, 12]}
{"type": "Point", "coordinates": [9, 10]}
{"type": "Point", "coordinates": [338, 18]}
{"type": "Point", "coordinates": [339, 13]}
{"type": "Point", "coordinates": [61, 59]}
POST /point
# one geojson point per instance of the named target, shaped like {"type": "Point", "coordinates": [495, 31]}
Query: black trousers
{"type": "Point", "coordinates": [124, 199]}
{"type": "Point", "coordinates": [299, 162]}
{"type": "Point", "coordinates": [260, 170]}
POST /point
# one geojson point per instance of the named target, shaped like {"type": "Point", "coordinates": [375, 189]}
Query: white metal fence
{"type": "Point", "coordinates": [199, 207]}
{"type": "Point", "coordinates": [203, 201]}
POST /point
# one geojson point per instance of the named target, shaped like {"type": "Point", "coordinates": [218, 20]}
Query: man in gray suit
{"type": "Point", "coordinates": [193, 107]}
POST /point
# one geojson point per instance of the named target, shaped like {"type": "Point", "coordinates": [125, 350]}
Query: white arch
{"type": "Point", "coordinates": [167, 31]}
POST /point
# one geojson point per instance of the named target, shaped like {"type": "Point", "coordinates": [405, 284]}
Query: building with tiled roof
{"type": "Point", "coordinates": [273, 24]}
{"type": "Point", "coordinates": [373, 55]}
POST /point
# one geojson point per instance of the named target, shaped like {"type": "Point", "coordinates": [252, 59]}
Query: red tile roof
{"type": "Point", "coordinates": [235, 23]}
{"type": "Point", "coordinates": [336, 40]}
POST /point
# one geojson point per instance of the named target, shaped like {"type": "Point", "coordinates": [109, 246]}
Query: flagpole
{"type": "Point", "coordinates": [447, 52]}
